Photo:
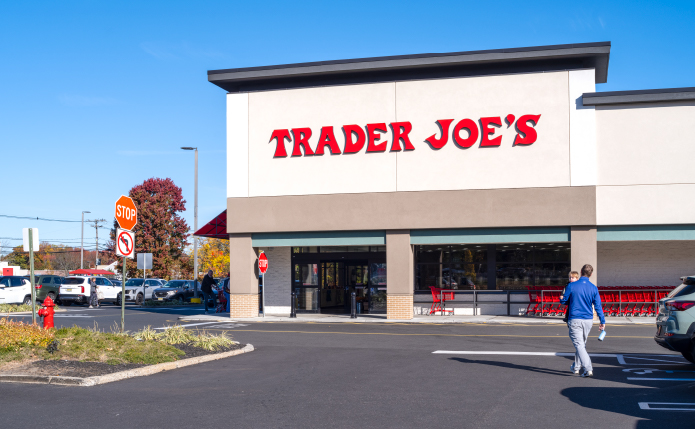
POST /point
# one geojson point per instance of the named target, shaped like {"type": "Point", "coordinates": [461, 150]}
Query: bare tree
{"type": "Point", "coordinates": [5, 248]}
{"type": "Point", "coordinates": [67, 261]}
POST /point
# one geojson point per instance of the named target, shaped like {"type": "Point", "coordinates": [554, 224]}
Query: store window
{"type": "Point", "coordinates": [451, 267]}
{"type": "Point", "coordinates": [506, 266]}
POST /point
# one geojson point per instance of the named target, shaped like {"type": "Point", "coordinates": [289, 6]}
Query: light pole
{"type": "Point", "coordinates": [195, 223]}
{"type": "Point", "coordinates": [82, 242]}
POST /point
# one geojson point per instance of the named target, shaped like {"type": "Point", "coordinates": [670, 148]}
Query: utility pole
{"type": "Point", "coordinates": [96, 223]}
{"type": "Point", "coordinates": [82, 242]}
{"type": "Point", "coordinates": [195, 223]}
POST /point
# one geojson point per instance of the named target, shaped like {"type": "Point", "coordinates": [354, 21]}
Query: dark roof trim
{"type": "Point", "coordinates": [641, 96]}
{"type": "Point", "coordinates": [421, 66]}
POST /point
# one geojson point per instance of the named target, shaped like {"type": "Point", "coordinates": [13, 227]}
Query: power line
{"type": "Point", "coordinates": [45, 219]}
{"type": "Point", "coordinates": [39, 218]}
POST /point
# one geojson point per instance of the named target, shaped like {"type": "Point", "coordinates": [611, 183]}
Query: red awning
{"type": "Point", "coordinates": [93, 272]}
{"type": "Point", "coordinates": [216, 228]}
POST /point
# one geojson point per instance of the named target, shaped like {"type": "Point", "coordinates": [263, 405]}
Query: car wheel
{"type": "Point", "coordinates": [180, 299]}
{"type": "Point", "coordinates": [139, 299]}
{"type": "Point", "coordinates": [689, 356]}
{"type": "Point", "coordinates": [118, 300]}
{"type": "Point", "coordinates": [52, 296]}
{"type": "Point", "coordinates": [27, 300]}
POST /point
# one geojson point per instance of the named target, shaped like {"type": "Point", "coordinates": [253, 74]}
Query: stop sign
{"type": "Point", "coordinates": [263, 263]}
{"type": "Point", "coordinates": [126, 213]}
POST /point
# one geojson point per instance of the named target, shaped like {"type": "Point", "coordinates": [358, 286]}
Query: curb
{"type": "Point", "coordinates": [443, 321]}
{"type": "Point", "coordinates": [122, 375]}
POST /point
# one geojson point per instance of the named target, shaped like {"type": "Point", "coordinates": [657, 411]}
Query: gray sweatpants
{"type": "Point", "coordinates": [579, 333]}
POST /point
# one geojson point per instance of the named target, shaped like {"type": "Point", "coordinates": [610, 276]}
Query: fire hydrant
{"type": "Point", "coordinates": [47, 313]}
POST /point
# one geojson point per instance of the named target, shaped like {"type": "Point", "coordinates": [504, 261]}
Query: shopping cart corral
{"type": "Point", "coordinates": [625, 301]}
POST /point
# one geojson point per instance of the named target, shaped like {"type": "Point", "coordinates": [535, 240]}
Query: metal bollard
{"type": "Point", "coordinates": [293, 310]}
{"type": "Point", "coordinates": [353, 313]}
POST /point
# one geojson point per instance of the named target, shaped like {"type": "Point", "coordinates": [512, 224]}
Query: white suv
{"type": "Point", "coordinates": [77, 289]}
{"type": "Point", "coordinates": [133, 289]}
{"type": "Point", "coordinates": [15, 290]}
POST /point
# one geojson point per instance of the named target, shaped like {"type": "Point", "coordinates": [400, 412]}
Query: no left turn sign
{"type": "Point", "coordinates": [125, 243]}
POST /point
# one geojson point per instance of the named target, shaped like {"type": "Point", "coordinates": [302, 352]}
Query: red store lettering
{"type": "Point", "coordinates": [355, 136]}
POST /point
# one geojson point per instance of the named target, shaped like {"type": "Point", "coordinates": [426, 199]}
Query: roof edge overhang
{"type": "Point", "coordinates": [639, 96]}
{"type": "Point", "coordinates": [420, 66]}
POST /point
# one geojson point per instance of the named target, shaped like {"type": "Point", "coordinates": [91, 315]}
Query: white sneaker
{"type": "Point", "coordinates": [588, 374]}
{"type": "Point", "coordinates": [574, 370]}
{"type": "Point", "coordinates": [91, 306]}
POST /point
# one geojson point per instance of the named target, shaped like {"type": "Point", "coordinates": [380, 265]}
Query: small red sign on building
{"type": "Point", "coordinates": [263, 263]}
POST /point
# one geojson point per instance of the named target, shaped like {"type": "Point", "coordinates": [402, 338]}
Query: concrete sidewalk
{"type": "Point", "coordinates": [366, 318]}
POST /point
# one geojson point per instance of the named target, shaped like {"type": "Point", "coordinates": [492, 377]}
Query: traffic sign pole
{"type": "Point", "coordinates": [31, 276]}
{"type": "Point", "coordinates": [126, 215]}
{"type": "Point", "coordinates": [123, 298]}
{"type": "Point", "coordinates": [263, 267]}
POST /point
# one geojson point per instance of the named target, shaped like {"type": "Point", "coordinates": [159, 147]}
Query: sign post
{"type": "Point", "coordinates": [144, 263]}
{"type": "Point", "coordinates": [127, 217]}
{"type": "Point", "coordinates": [263, 267]}
{"type": "Point", "coordinates": [31, 240]}
{"type": "Point", "coordinates": [125, 246]}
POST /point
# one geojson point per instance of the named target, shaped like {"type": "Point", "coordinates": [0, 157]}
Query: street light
{"type": "Point", "coordinates": [195, 223]}
{"type": "Point", "coordinates": [82, 242]}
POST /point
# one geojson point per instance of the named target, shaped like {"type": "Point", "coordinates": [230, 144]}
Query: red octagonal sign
{"type": "Point", "coordinates": [126, 213]}
{"type": "Point", "coordinates": [263, 263]}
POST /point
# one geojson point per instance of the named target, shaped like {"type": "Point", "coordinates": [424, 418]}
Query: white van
{"type": "Point", "coordinates": [15, 290]}
{"type": "Point", "coordinates": [77, 289]}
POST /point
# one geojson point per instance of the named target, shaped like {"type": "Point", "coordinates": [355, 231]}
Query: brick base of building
{"type": "Point", "coordinates": [399, 307]}
{"type": "Point", "coordinates": [243, 306]}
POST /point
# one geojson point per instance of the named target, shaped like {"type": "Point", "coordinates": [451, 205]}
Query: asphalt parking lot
{"type": "Point", "coordinates": [377, 375]}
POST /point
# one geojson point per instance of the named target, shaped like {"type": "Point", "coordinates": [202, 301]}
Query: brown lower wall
{"type": "Point", "coordinates": [414, 210]}
{"type": "Point", "coordinates": [399, 306]}
{"type": "Point", "coordinates": [243, 305]}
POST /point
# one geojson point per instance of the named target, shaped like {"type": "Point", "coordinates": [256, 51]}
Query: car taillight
{"type": "Point", "coordinates": [679, 305]}
{"type": "Point", "coordinates": [38, 286]}
{"type": "Point", "coordinates": [82, 287]}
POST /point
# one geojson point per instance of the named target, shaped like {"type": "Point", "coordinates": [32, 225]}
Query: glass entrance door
{"type": "Point", "coordinates": [332, 294]}
{"type": "Point", "coordinates": [306, 287]}
{"type": "Point", "coordinates": [357, 280]}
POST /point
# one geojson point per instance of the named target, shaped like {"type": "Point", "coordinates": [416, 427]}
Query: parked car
{"type": "Point", "coordinates": [675, 323]}
{"type": "Point", "coordinates": [15, 290]}
{"type": "Point", "coordinates": [47, 285]}
{"type": "Point", "coordinates": [77, 290]}
{"type": "Point", "coordinates": [134, 290]}
{"type": "Point", "coordinates": [175, 290]}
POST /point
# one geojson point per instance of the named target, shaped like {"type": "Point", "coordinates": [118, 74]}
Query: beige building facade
{"type": "Point", "coordinates": [487, 171]}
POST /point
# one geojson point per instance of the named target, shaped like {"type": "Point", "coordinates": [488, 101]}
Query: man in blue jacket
{"type": "Point", "coordinates": [580, 296]}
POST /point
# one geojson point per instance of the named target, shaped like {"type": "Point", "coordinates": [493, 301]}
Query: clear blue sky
{"type": "Point", "coordinates": [98, 96]}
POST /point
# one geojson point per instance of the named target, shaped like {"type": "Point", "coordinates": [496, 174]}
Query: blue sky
{"type": "Point", "coordinates": [98, 96]}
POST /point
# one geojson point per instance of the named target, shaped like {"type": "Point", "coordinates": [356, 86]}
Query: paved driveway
{"type": "Point", "coordinates": [381, 375]}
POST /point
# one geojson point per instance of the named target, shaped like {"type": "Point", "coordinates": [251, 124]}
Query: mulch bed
{"type": "Point", "coordinates": [73, 368]}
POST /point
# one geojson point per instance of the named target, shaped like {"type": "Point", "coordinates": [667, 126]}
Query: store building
{"type": "Point", "coordinates": [486, 170]}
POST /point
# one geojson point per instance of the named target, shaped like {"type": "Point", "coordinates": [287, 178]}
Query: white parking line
{"type": "Point", "coordinates": [451, 352]}
{"type": "Point", "coordinates": [660, 379]}
{"type": "Point", "coordinates": [186, 326]}
{"type": "Point", "coordinates": [648, 406]}
{"type": "Point", "coordinates": [57, 315]}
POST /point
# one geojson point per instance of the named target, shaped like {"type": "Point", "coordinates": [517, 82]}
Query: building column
{"type": "Point", "coordinates": [399, 275]}
{"type": "Point", "coordinates": [584, 249]}
{"type": "Point", "coordinates": [243, 277]}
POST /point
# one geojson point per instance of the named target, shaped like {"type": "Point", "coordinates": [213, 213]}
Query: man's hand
{"type": "Point", "coordinates": [602, 326]}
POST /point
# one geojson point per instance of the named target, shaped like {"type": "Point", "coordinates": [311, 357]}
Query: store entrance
{"type": "Point", "coordinates": [324, 282]}
{"type": "Point", "coordinates": [338, 280]}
